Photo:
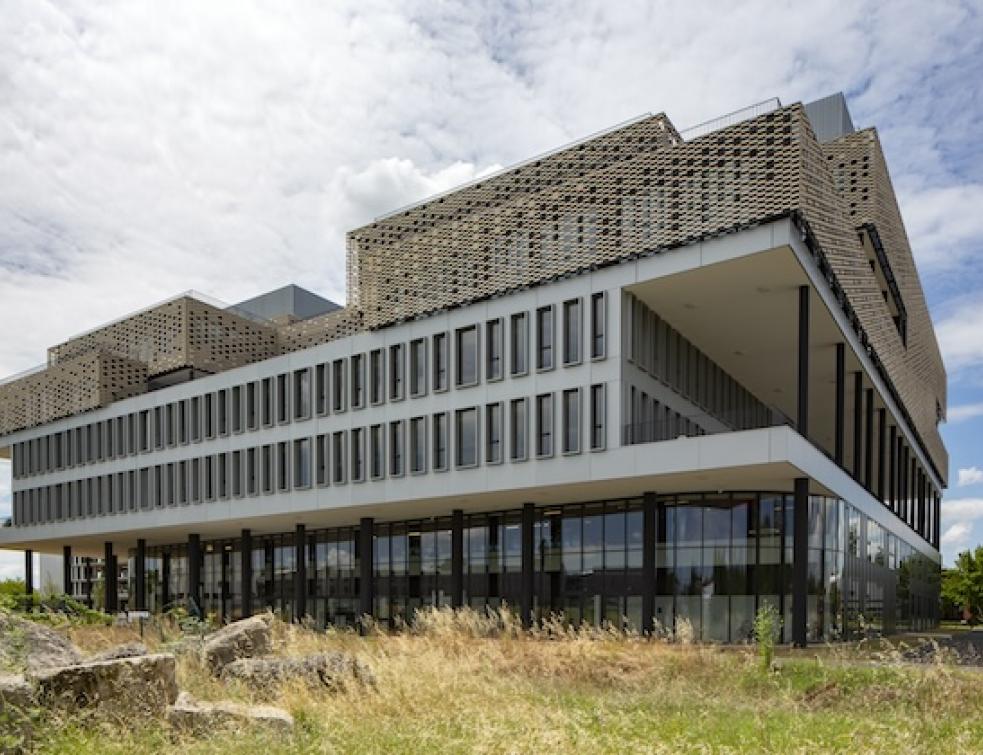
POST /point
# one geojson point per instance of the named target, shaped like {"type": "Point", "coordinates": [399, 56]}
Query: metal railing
{"type": "Point", "coordinates": [702, 423]}
{"type": "Point", "coordinates": [744, 114]}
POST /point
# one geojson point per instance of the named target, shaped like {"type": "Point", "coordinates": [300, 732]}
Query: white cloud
{"type": "Point", "coordinates": [963, 412]}
{"type": "Point", "coordinates": [956, 535]}
{"type": "Point", "coordinates": [962, 509]}
{"type": "Point", "coordinates": [969, 476]}
{"type": "Point", "coordinates": [960, 333]}
{"type": "Point", "coordinates": [944, 223]}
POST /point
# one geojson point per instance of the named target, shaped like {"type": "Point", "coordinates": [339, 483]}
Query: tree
{"type": "Point", "coordinates": [963, 584]}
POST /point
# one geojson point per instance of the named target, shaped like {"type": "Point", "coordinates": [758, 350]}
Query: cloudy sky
{"type": "Point", "coordinates": [148, 148]}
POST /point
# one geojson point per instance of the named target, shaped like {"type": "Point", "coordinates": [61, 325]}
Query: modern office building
{"type": "Point", "coordinates": [653, 376]}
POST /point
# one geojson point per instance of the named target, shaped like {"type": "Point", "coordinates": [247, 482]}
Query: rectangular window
{"type": "Point", "coordinates": [418, 367]}
{"type": "Point", "coordinates": [251, 415]}
{"type": "Point", "coordinates": [396, 446]}
{"type": "Point", "coordinates": [223, 412]}
{"type": "Point", "coordinates": [209, 462]}
{"type": "Point", "coordinates": [518, 429]}
{"type": "Point", "coordinates": [158, 433]}
{"type": "Point", "coordinates": [182, 425]}
{"type": "Point", "coordinates": [237, 409]}
{"type": "Point", "coordinates": [418, 445]}
{"type": "Point", "coordinates": [598, 325]}
{"type": "Point", "coordinates": [237, 474]}
{"type": "Point", "coordinates": [282, 467]}
{"type": "Point", "coordinates": [572, 331]}
{"type": "Point", "coordinates": [493, 433]}
{"type": "Point", "coordinates": [338, 392]}
{"type": "Point", "coordinates": [494, 348]}
{"type": "Point", "coordinates": [358, 455]}
{"type": "Point", "coordinates": [223, 475]}
{"type": "Point", "coordinates": [267, 407]}
{"type": "Point", "coordinates": [302, 463]}
{"type": "Point", "coordinates": [544, 338]}
{"type": "Point", "coordinates": [358, 381]}
{"type": "Point", "coordinates": [196, 480]}
{"type": "Point", "coordinates": [377, 466]}
{"type": "Point", "coordinates": [571, 421]}
{"type": "Point", "coordinates": [266, 463]}
{"type": "Point", "coordinates": [544, 425]}
{"type": "Point", "coordinates": [466, 440]}
{"type": "Point", "coordinates": [598, 412]}
{"type": "Point", "coordinates": [252, 477]}
{"type": "Point", "coordinates": [321, 389]}
{"type": "Point", "coordinates": [302, 394]}
{"type": "Point", "coordinates": [282, 399]}
{"type": "Point", "coordinates": [519, 344]}
{"type": "Point", "coordinates": [440, 442]}
{"type": "Point", "coordinates": [440, 362]}
{"type": "Point", "coordinates": [209, 412]}
{"type": "Point", "coordinates": [322, 453]}
{"type": "Point", "coordinates": [466, 346]}
{"type": "Point", "coordinates": [182, 482]}
{"type": "Point", "coordinates": [377, 371]}
{"type": "Point", "coordinates": [339, 464]}
{"type": "Point", "coordinates": [397, 368]}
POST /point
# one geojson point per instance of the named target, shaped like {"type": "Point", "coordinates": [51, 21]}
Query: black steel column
{"type": "Point", "coordinates": [800, 562]}
{"type": "Point", "coordinates": [140, 576]}
{"type": "Point", "coordinates": [881, 443]}
{"type": "Point", "coordinates": [300, 572]}
{"type": "Point", "coordinates": [165, 581]}
{"type": "Point", "coordinates": [28, 572]}
{"type": "Point", "coordinates": [87, 568]}
{"type": "Point", "coordinates": [194, 575]}
{"type": "Point", "coordinates": [912, 492]}
{"type": "Point", "coordinates": [869, 442]}
{"type": "Point", "coordinates": [858, 396]}
{"type": "Point", "coordinates": [648, 562]}
{"type": "Point", "coordinates": [802, 418]}
{"type": "Point", "coordinates": [457, 558]}
{"type": "Point", "coordinates": [892, 470]}
{"type": "Point", "coordinates": [246, 573]}
{"type": "Point", "coordinates": [839, 420]}
{"type": "Point", "coordinates": [365, 563]}
{"type": "Point", "coordinates": [109, 591]}
{"type": "Point", "coordinates": [66, 569]}
{"type": "Point", "coordinates": [528, 556]}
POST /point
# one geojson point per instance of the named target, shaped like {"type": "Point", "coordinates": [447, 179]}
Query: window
{"type": "Point", "coordinates": [598, 325]}
{"type": "Point", "coordinates": [209, 462]}
{"type": "Point", "coordinates": [418, 445]}
{"type": "Point", "coordinates": [223, 475]}
{"type": "Point", "coordinates": [302, 463]}
{"type": "Point", "coordinates": [571, 421]}
{"type": "Point", "coordinates": [376, 377]}
{"type": "Point", "coordinates": [466, 441]}
{"type": "Point", "coordinates": [251, 416]}
{"type": "Point", "coordinates": [251, 477]}
{"type": "Point", "coordinates": [282, 399]}
{"type": "Point", "coordinates": [158, 434]}
{"type": "Point", "coordinates": [302, 394]}
{"type": "Point", "coordinates": [572, 335]}
{"type": "Point", "coordinates": [440, 442]}
{"type": "Point", "coordinates": [518, 429]}
{"type": "Point", "coordinates": [358, 381]}
{"type": "Point", "coordinates": [418, 367]}
{"type": "Point", "coordinates": [223, 412]}
{"type": "Point", "coordinates": [493, 349]}
{"type": "Point", "coordinates": [267, 408]}
{"type": "Point", "coordinates": [237, 474]}
{"type": "Point", "coordinates": [282, 467]}
{"type": "Point", "coordinates": [544, 424]}
{"type": "Point", "coordinates": [440, 359]}
{"type": "Point", "coordinates": [358, 455]}
{"type": "Point", "coordinates": [321, 453]}
{"type": "Point", "coordinates": [377, 467]}
{"type": "Point", "coordinates": [266, 456]}
{"type": "Point", "coordinates": [598, 410]}
{"type": "Point", "coordinates": [237, 409]}
{"type": "Point", "coordinates": [396, 449]}
{"type": "Point", "coordinates": [466, 344]}
{"type": "Point", "coordinates": [321, 389]}
{"type": "Point", "coordinates": [493, 433]}
{"type": "Point", "coordinates": [182, 426]}
{"type": "Point", "coordinates": [519, 344]}
{"type": "Point", "coordinates": [544, 338]}
{"type": "Point", "coordinates": [338, 460]}
{"type": "Point", "coordinates": [338, 392]}
{"type": "Point", "coordinates": [195, 481]}
{"type": "Point", "coordinates": [397, 369]}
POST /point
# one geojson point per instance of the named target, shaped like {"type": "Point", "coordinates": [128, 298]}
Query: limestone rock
{"type": "Point", "coordinates": [17, 713]}
{"type": "Point", "coordinates": [194, 717]}
{"type": "Point", "coordinates": [125, 687]}
{"type": "Point", "coordinates": [319, 671]}
{"type": "Point", "coordinates": [32, 646]}
{"type": "Point", "coordinates": [15, 692]}
{"type": "Point", "coordinates": [126, 650]}
{"type": "Point", "coordinates": [248, 638]}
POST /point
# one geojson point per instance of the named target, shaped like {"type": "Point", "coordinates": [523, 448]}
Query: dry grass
{"type": "Point", "coordinates": [460, 682]}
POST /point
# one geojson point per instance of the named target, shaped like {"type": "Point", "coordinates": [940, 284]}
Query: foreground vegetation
{"type": "Point", "coordinates": [463, 683]}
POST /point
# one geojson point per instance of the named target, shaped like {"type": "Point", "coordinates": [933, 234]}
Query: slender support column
{"type": "Point", "coordinates": [839, 420]}
{"type": "Point", "coordinates": [109, 588]}
{"type": "Point", "coordinates": [29, 572]}
{"type": "Point", "coordinates": [246, 572]}
{"type": "Point", "coordinates": [457, 558]}
{"type": "Point", "coordinates": [365, 562]}
{"type": "Point", "coordinates": [300, 572]}
{"type": "Point", "coordinates": [114, 570]}
{"type": "Point", "coordinates": [66, 570]}
{"type": "Point", "coordinates": [892, 470]}
{"type": "Point", "coordinates": [528, 555]}
{"type": "Point", "coordinates": [165, 581]}
{"type": "Point", "coordinates": [800, 562]}
{"type": "Point", "coordinates": [648, 562]}
{"type": "Point", "coordinates": [140, 576]}
{"type": "Point", "coordinates": [87, 569]}
{"type": "Point", "coordinates": [912, 490]}
{"type": "Point", "coordinates": [858, 396]}
{"type": "Point", "coordinates": [194, 575]}
{"type": "Point", "coordinates": [881, 444]}
{"type": "Point", "coordinates": [802, 418]}
{"type": "Point", "coordinates": [869, 442]}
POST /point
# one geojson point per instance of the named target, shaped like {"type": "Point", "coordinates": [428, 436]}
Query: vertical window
{"type": "Point", "coordinates": [282, 467]}
{"type": "Point", "coordinates": [571, 421]}
{"type": "Point", "coordinates": [339, 463]}
{"type": "Point", "coordinates": [267, 407]}
{"type": "Point", "coordinates": [182, 425]}
{"type": "Point", "coordinates": [209, 462]}
{"type": "Point", "coordinates": [237, 474]}
{"type": "Point", "coordinates": [237, 409]}
{"type": "Point", "coordinates": [302, 394]}
{"type": "Point", "coordinates": [494, 347]}
{"type": "Point", "coordinates": [518, 429]}
{"type": "Point", "coordinates": [158, 433]}
{"type": "Point", "coordinates": [209, 412]}
{"type": "Point", "coordinates": [466, 347]}
{"type": "Point", "coordinates": [466, 440]}
{"type": "Point", "coordinates": [493, 433]}
{"type": "Point", "coordinates": [544, 338]}
{"type": "Point", "coordinates": [440, 362]}
{"type": "Point", "coordinates": [572, 331]}
{"type": "Point", "coordinates": [357, 455]}
{"type": "Point", "coordinates": [321, 452]}
{"type": "Point", "coordinates": [519, 344]}
{"type": "Point", "coordinates": [282, 399]}
{"type": "Point", "coordinates": [251, 406]}
{"type": "Point", "coordinates": [252, 488]}
{"type": "Point", "coordinates": [377, 467]}
{"type": "Point", "coordinates": [182, 482]}
{"type": "Point", "coordinates": [358, 381]}
{"type": "Point", "coordinates": [302, 463]}
{"type": "Point", "coordinates": [321, 389]}
{"type": "Point", "coordinates": [397, 368]}
{"type": "Point", "coordinates": [396, 444]}
{"type": "Point", "coordinates": [440, 442]}
{"type": "Point", "coordinates": [544, 424]}
{"type": "Point", "coordinates": [223, 412]}
{"type": "Point", "coordinates": [598, 412]}
{"type": "Point", "coordinates": [266, 458]}
{"type": "Point", "coordinates": [418, 367]}
{"type": "Point", "coordinates": [223, 475]}
{"type": "Point", "coordinates": [376, 376]}
{"type": "Point", "coordinates": [196, 480]}
{"type": "Point", "coordinates": [418, 445]}
{"type": "Point", "coordinates": [338, 392]}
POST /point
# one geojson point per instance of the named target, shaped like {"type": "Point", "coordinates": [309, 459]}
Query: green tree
{"type": "Point", "coordinates": [963, 584]}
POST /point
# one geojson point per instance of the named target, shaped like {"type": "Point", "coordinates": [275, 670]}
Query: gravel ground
{"type": "Point", "coordinates": [963, 648]}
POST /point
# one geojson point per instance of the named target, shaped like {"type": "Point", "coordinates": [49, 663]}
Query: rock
{"type": "Point", "coordinates": [17, 713]}
{"type": "Point", "coordinates": [126, 650]}
{"type": "Point", "coordinates": [126, 687]}
{"type": "Point", "coordinates": [32, 646]}
{"type": "Point", "coordinates": [248, 638]}
{"type": "Point", "coordinates": [15, 692]}
{"type": "Point", "coordinates": [322, 670]}
{"type": "Point", "coordinates": [193, 717]}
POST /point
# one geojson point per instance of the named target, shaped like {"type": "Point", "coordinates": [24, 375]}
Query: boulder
{"type": "Point", "coordinates": [248, 638]}
{"type": "Point", "coordinates": [15, 692]}
{"type": "Point", "coordinates": [193, 717]}
{"type": "Point", "coordinates": [17, 714]}
{"type": "Point", "coordinates": [125, 687]}
{"type": "Point", "coordinates": [330, 671]}
{"type": "Point", "coordinates": [28, 645]}
{"type": "Point", "coordinates": [126, 650]}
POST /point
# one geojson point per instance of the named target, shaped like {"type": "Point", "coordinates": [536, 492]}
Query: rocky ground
{"type": "Point", "coordinates": [961, 648]}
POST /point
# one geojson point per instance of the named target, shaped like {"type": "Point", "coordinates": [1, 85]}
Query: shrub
{"type": "Point", "coordinates": [767, 625]}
